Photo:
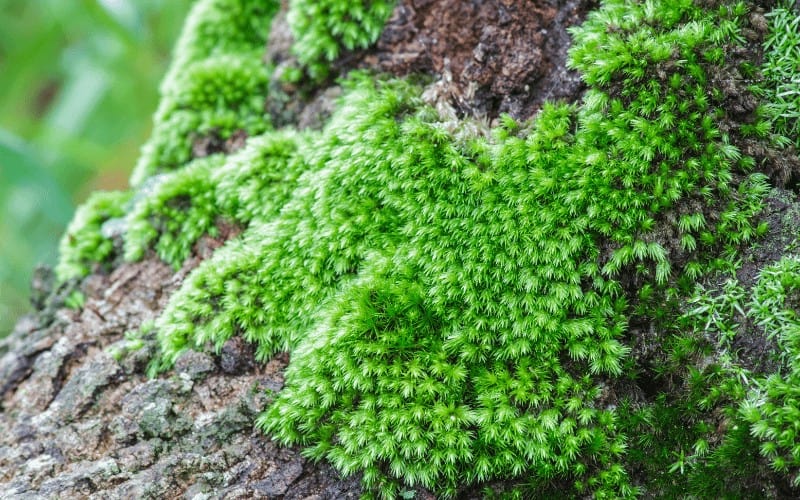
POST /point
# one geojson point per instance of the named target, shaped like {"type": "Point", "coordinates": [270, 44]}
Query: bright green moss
{"type": "Point", "coordinates": [163, 213]}
{"type": "Point", "coordinates": [457, 306]}
{"type": "Point", "coordinates": [781, 83]}
{"type": "Point", "coordinates": [773, 409]}
{"type": "Point", "coordinates": [431, 288]}
{"type": "Point", "coordinates": [181, 206]}
{"type": "Point", "coordinates": [322, 28]}
{"type": "Point", "coordinates": [84, 242]}
{"type": "Point", "coordinates": [217, 84]}
{"type": "Point", "coordinates": [217, 27]}
{"type": "Point", "coordinates": [284, 267]}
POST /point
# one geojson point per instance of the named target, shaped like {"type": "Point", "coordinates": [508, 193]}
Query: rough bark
{"type": "Point", "coordinates": [81, 420]}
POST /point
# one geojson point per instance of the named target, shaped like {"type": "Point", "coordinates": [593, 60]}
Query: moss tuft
{"type": "Point", "coordinates": [772, 410]}
{"type": "Point", "coordinates": [216, 85]}
{"type": "Point", "coordinates": [323, 28]}
{"type": "Point", "coordinates": [84, 242]}
{"type": "Point", "coordinates": [781, 83]}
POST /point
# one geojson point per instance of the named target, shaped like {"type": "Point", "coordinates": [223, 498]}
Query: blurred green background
{"type": "Point", "coordinates": [78, 86]}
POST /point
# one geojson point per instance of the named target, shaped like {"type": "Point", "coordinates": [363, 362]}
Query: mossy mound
{"type": "Point", "coordinates": [457, 304]}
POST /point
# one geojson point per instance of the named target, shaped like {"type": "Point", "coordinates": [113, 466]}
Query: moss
{"type": "Point", "coordinates": [323, 28]}
{"type": "Point", "coordinates": [772, 408]}
{"type": "Point", "coordinates": [84, 242]}
{"type": "Point", "coordinates": [781, 84]}
{"type": "Point", "coordinates": [181, 206]}
{"type": "Point", "coordinates": [727, 428]}
{"type": "Point", "coordinates": [458, 305]}
{"type": "Point", "coordinates": [217, 83]}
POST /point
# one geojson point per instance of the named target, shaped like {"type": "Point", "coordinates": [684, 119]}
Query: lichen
{"type": "Point", "coordinates": [458, 305]}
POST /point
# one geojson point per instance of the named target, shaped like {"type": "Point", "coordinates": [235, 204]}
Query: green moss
{"type": "Point", "coordinates": [322, 28]}
{"type": "Point", "coordinates": [181, 206]}
{"type": "Point", "coordinates": [722, 428]}
{"type": "Point", "coordinates": [781, 83]}
{"type": "Point", "coordinates": [772, 410]}
{"type": "Point", "coordinates": [691, 429]}
{"type": "Point", "coordinates": [75, 300]}
{"type": "Point", "coordinates": [284, 267]}
{"type": "Point", "coordinates": [216, 85]}
{"type": "Point", "coordinates": [457, 305]}
{"type": "Point", "coordinates": [163, 214]}
{"type": "Point", "coordinates": [429, 287]}
{"type": "Point", "coordinates": [84, 242]}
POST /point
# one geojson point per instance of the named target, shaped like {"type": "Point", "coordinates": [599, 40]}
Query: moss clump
{"type": "Point", "coordinates": [84, 242]}
{"type": "Point", "coordinates": [474, 348]}
{"type": "Point", "coordinates": [216, 85]}
{"type": "Point", "coordinates": [773, 410]}
{"type": "Point", "coordinates": [181, 206]}
{"type": "Point", "coordinates": [781, 83]}
{"type": "Point", "coordinates": [726, 425]}
{"type": "Point", "coordinates": [457, 306]}
{"type": "Point", "coordinates": [322, 28]}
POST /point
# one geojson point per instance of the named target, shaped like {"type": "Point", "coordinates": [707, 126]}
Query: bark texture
{"type": "Point", "coordinates": [81, 420]}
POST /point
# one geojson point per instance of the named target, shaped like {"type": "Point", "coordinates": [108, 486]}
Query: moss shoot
{"type": "Point", "coordinates": [457, 305]}
{"type": "Point", "coordinates": [781, 83]}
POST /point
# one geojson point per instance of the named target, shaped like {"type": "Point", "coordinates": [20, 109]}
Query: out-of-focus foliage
{"type": "Point", "coordinates": [78, 85]}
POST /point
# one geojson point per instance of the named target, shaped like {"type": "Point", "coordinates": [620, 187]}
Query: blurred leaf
{"type": "Point", "coordinates": [20, 165]}
{"type": "Point", "coordinates": [120, 17]}
{"type": "Point", "coordinates": [78, 99]}
{"type": "Point", "coordinates": [35, 209]}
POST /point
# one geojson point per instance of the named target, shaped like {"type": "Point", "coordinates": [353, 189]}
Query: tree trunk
{"type": "Point", "coordinates": [79, 418]}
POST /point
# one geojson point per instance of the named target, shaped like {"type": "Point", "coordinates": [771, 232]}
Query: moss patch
{"type": "Point", "coordinates": [458, 305]}
{"type": "Point", "coordinates": [781, 84]}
